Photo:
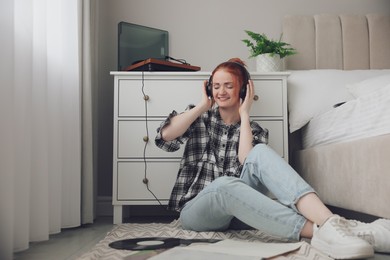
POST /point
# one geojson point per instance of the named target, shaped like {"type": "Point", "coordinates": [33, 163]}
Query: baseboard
{"type": "Point", "coordinates": [105, 209]}
{"type": "Point", "coordinates": [104, 206]}
{"type": "Point", "coordinates": [350, 214]}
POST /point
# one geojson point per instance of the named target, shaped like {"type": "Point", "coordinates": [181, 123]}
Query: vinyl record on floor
{"type": "Point", "coordinates": [153, 243]}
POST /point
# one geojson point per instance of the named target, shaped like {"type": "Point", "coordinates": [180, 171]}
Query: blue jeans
{"type": "Point", "coordinates": [226, 198]}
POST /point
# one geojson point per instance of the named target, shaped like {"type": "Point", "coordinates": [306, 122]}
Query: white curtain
{"type": "Point", "coordinates": [46, 135]}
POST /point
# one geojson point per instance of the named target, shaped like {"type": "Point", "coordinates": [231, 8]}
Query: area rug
{"type": "Point", "coordinates": [174, 230]}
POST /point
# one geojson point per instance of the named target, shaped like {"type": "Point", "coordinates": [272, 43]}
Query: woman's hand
{"type": "Point", "coordinates": [246, 136]}
{"type": "Point", "coordinates": [206, 103]}
{"type": "Point", "coordinates": [247, 103]}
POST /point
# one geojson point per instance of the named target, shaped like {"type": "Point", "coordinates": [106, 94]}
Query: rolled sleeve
{"type": "Point", "coordinates": [174, 145]}
{"type": "Point", "coordinates": [169, 146]}
{"type": "Point", "coordinates": [260, 135]}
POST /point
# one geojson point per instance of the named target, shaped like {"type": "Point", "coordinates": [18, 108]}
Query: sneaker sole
{"type": "Point", "coordinates": [346, 252]}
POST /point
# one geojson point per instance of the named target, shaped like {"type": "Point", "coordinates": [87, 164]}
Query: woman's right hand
{"type": "Point", "coordinates": [207, 102]}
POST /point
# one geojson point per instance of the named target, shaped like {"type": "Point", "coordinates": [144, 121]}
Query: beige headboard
{"type": "Point", "coordinates": [330, 41]}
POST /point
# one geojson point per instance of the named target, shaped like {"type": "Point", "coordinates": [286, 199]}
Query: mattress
{"type": "Point", "coordinates": [366, 116]}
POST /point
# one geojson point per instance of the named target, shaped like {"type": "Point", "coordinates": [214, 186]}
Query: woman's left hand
{"type": "Point", "coordinates": [247, 103]}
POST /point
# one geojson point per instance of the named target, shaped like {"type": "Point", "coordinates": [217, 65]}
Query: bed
{"type": "Point", "coordinates": [339, 108]}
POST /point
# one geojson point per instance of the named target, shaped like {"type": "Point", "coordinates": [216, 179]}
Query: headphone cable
{"type": "Point", "coordinates": [145, 180]}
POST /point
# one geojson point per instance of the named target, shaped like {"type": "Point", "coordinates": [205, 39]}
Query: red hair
{"type": "Point", "coordinates": [234, 66]}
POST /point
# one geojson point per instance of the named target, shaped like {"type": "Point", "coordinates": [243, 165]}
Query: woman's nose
{"type": "Point", "coordinates": [222, 90]}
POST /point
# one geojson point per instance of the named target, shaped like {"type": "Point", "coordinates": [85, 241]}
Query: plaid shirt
{"type": "Point", "coordinates": [211, 151]}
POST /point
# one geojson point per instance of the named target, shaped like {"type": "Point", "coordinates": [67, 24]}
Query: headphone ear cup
{"type": "Point", "coordinates": [245, 83]}
{"type": "Point", "coordinates": [209, 87]}
{"type": "Point", "coordinates": [243, 92]}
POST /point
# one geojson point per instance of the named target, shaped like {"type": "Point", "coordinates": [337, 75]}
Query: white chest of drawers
{"type": "Point", "coordinates": [142, 100]}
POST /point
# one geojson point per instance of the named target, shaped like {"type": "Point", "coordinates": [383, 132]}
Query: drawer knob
{"type": "Point", "coordinates": [256, 97]}
{"type": "Point", "coordinates": [146, 97]}
{"type": "Point", "coordinates": [146, 139]}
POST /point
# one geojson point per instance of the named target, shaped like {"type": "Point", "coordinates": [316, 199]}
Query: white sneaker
{"type": "Point", "coordinates": [335, 239]}
{"type": "Point", "coordinates": [376, 233]}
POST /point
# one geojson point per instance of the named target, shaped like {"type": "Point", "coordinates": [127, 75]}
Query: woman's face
{"type": "Point", "coordinates": [225, 89]}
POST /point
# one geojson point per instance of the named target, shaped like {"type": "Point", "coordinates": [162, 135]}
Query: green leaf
{"type": "Point", "coordinates": [260, 44]}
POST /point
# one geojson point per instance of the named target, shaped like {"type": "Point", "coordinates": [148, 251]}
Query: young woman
{"type": "Point", "coordinates": [227, 167]}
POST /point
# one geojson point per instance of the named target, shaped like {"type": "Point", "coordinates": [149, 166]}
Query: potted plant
{"type": "Point", "coordinates": [268, 53]}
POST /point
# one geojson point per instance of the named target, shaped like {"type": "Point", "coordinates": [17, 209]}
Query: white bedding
{"type": "Point", "coordinates": [366, 116]}
{"type": "Point", "coordinates": [313, 92]}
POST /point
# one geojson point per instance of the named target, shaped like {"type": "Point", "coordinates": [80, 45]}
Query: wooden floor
{"type": "Point", "coordinates": [69, 244]}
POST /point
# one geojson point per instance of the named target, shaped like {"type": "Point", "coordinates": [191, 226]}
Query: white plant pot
{"type": "Point", "coordinates": [268, 63]}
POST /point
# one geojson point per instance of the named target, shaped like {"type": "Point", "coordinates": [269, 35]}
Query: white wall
{"type": "Point", "coordinates": [203, 32]}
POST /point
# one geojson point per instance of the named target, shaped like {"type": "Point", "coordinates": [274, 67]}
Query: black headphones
{"type": "Point", "coordinates": [244, 73]}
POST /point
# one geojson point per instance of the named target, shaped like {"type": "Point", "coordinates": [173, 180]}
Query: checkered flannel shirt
{"type": "Point", "coordinates": [211, 151]}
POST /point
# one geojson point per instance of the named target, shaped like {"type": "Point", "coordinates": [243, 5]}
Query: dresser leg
{"type": "Point", "coordinates": [118, 217]}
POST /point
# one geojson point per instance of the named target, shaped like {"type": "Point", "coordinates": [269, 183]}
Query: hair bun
{"type": "Point", "coordinates": [237, 60]}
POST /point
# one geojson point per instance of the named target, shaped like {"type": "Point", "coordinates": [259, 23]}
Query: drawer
{"type": "Point", "coordinates": [270, 102]}
{"type": "Point", "coordinates": [131, 142]}
{"type": "Point", "coordinates": [161, 176]}
{"type": "Point", "coordinates": [275, 138]}
{"type": "Point", "coordinates": [168, 95]}
{"type": "Point", "coordinates": [164, 96]}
